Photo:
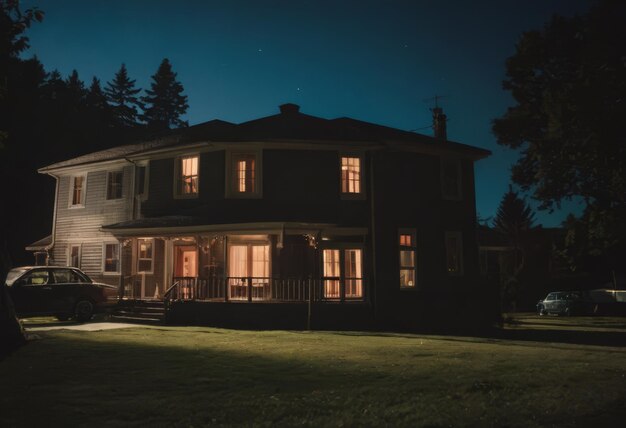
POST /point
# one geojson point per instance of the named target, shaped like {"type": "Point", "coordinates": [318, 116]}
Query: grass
{"type": "Point", "coordinates": [195, 376]}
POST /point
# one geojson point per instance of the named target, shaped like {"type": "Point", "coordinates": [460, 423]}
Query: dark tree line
{"type": "Point", "coordinates": [47, 117]}
{"type": "Point", "coordinates": [569, 84]}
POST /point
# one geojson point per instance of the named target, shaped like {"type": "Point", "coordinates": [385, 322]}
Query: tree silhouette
{"type": "Point", "coordinates": [569, 84]}
{"type": "Point", "coordinates": [165, 103]}
{"type": "Point", "coordinates": [95, 97]}
{"type": "Point", "coordinates": [514, 220]}
{"type": "Point", "coordinates": [122, 96]}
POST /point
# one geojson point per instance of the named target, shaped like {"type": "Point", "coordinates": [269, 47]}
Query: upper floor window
{"type": "Point", "coordinates": [114, 184]}
{"type": "Point", "coordinates": [408, 251]}
{"type": "Point", "coordinates": [187, 176]}
{"type": "Point", "coordinates": [243, 175]}
{"type": "Point", "coordinates": [78, 184]}
{"type": "Point", "coordinates": [351, 175]}
{"type": "Point", "coordinates": [451, 179]}
{"type": "Point", "coordinates": [454, 253]}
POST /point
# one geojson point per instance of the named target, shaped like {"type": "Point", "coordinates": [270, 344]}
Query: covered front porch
{"type": "Point", "coordinates": [245, 263]}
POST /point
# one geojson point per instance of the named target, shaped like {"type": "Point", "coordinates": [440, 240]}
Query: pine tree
{"type": "Point", "coordinates": [514, 220]}
{"type": "Point", "coordinates": [95, 98]}
{"type": "Point", "coordinates": [75, 90]}
{"type": "Point", "coordinates": [165, 103]}
{"type": "Point", "coordinates": [122, 97]}
{"type": "Point", "coordinates": [514, 217]}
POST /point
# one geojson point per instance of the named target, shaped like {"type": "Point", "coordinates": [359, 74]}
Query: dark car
{"type": "Point", "coordinates": [64, 292]}
{"type": "Point", "coordinates": [563, 303]}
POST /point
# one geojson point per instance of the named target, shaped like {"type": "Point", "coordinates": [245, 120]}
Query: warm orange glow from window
{"type": "Point", "coordinates": [350, 174]}
{"type": "Point", "coordinates": [244, 173]}
{"type": "Point", "coordinates": [407, 260]}
{"type": "Point", "coordinates": [188, 177]}
{"type": "Point", "coordinates": [351, 278]}
{"type": "Point", "coordinates": [353, 273]}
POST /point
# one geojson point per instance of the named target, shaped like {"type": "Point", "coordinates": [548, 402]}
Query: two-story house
{"type": "Point", "coordinates": [357, 219]}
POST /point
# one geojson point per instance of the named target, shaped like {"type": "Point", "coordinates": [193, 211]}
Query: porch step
{"type": "Point", "coordinates": [139, 311]}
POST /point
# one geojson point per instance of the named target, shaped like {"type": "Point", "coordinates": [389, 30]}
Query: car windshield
{"type": "Point", "coordinates": [14, 274]}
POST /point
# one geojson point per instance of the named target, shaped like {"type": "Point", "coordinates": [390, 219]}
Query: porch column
{"type": "Point", "coordinates": [168, 263]}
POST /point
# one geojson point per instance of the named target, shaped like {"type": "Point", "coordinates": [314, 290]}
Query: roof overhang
{"type": "Point", "coordinates": [278, 228]}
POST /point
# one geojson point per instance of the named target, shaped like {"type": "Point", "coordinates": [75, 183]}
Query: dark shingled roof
{"type": "Point", "coordinates": [288, 125]}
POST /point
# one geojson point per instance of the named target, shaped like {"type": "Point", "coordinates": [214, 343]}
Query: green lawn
{"type": "Point", "coordinates": [194, 376]}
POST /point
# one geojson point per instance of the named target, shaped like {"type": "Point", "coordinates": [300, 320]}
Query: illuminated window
{"type": "Point", "coordinates": [342, 273]}
{"type": "Point", "coordinates": [114, 185]}
{"type": "Point", "coordinates": [77, 197]}
{"type": "Point", "coordinates": [74, 255]}
{"type": "Point", "coordinates": [243, 173]}
{"type": "Point", "coordinates": [408, 250]}
{"type": "Point", "coordinates": [332, 274]}
{"type": "Point", "coordinates": [111, 258]}
{"type": "Point", "coordinates": [187, 176]}
{"type": "Point", "coordinates": [350, 175]}
{"type": "Point", "coordinates": [454, 253]}
{"type": "Point", "coordinates": [249, 271]}
{"type": "Point", "coordinates": [145, 254]}
{"type": "Point", "coordinates": [451, 179]}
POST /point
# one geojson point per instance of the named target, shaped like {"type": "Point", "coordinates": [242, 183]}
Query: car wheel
{"type": "Point", "coordinates": [83, 311]}
{"type": "Point", "coordinates": [62, 317]}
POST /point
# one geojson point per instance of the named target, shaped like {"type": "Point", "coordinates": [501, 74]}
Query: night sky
{"type": "Point", "coordinates": [376, 61]}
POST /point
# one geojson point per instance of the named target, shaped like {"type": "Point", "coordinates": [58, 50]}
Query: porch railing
{"type": "Point", "coordinates": [251, 289]}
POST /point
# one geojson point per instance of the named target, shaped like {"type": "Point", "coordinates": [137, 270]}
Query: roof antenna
{"type": "Point", "coordinates": [439, 119]}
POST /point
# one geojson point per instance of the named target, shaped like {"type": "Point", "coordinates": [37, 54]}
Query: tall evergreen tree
{"type": "Point", "coordinates": [95, 98]}
{"type": "Point", "coordinates": [122, 96]}
{"type": "Point", "coordinates": [165, 102]}
{"type": "Point", "coordinates": [514, 220]}
{"type": "Point", "coordinates": [75, 90]}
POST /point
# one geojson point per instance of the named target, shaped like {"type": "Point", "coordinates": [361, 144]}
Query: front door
{"type": "Point", "coordinates": [249, 271]}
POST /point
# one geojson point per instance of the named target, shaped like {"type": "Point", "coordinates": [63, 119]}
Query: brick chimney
{"type": "Point", "coordinates": [439, 124]}
{"type": "Point", "coordinates": [289, 108]}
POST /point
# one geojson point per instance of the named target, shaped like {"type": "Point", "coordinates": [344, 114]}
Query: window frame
{"type": "Point", "coordinates": [121, 185]}
{"type": "Point", "coordinates": [459, 184]}
{"type": "Point", "coordinates": [231, 191]}
{"type": "Point", "coordinates": [352, 195]}
{"type": "Point", "coordinates": [342, 248]}
{"type": "Point", "coordinates": [178, 178]}
{"type": "Point", "coordinates": [459, 236]}
{"type": "Point", "coordinates": [412, 232]}
{"type": "Point", "coordinates": [104, 258]}
{"type": "Point", "coordinates": [138, 251]}
{"type": "Point", "coordinates": [83, 194]}
{"type": "Point", "coordinates": [69, 254]}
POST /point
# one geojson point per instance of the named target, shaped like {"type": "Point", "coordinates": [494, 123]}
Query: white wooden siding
{"type": "Point", "coordinates": [82, 225]}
